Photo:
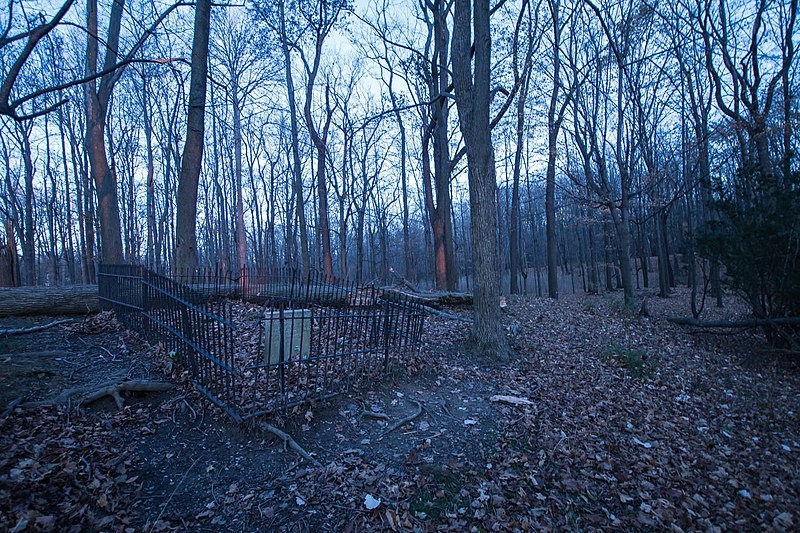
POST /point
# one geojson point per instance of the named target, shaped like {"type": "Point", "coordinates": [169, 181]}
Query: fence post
{"type": "Point", "coordinates": [282, 349]}
{"type": "Point", "coordinates": [386, 331]}
{"type": "Point", "coordinates": [144, 281]}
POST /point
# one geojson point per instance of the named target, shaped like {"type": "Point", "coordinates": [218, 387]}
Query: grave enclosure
{"type": "Point", "coordinates": [266, 340]}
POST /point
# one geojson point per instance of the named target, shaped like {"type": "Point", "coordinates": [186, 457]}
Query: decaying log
{"type": "Point", "coordinates": [437, 299]}
{"type": "Point", "coordinates": [72, 300]}
{"type": "Point", "coordinates": [388, 293]}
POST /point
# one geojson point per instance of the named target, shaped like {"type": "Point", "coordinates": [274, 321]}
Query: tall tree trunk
{"type": "Point", "coordinates": [407, 272]}
{"type": "Point", "coordinates": [553, 127]}
{"type": "Point", "coordinates": [191, 163]}
{"type": "Point", "coordinates": [70, 243]}
{"type": "Point", "coordinates": [473, 101]}
{"type": "Point", "coordinates": [28, 245]}
{"type": "Point", "coordinates": [514, 237]}
{"type": "Point", "coordinates": [441, 149]}
{"type": "Point", "coordinates": [240, 233]}
{"type": "Point", "coordinates": [151, 186]}
{"type": "Point", "coordinates": [320, 142]}
{"type": "Point", "coordinates": [97, 104]}
{"type": "Point", "coordinates": [297, 181]}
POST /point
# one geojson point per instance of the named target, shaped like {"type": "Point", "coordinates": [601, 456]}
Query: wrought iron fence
{"type": "Point", "coordinates": [314, 336]}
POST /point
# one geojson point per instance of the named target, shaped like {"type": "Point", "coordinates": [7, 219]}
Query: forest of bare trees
{"type": "Point", "coordinates": [523, 146]}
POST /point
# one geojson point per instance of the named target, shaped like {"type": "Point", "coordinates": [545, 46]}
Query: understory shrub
{"type": "Point", "coordinates": [756, 236]}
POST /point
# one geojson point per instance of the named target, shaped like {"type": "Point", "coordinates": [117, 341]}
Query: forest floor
{"type": "Point", "coordinates": [611, 421]}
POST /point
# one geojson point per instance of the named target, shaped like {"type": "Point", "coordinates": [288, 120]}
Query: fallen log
{"type": "Point", "coordinates": [437, 299]}
{"type": "Point", "coordinates": [72, 300]}
{"type": "Point", "coordinates": [389, 293]}
{"type": "Point", "coordinates": [751, 323]}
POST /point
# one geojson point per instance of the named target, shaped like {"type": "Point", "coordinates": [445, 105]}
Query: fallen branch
{"type": "Point", "coordinates": [442, 314]}
{"type": "Point", "coordinates": [406, 420]}
{"type": "Point", "coordinates": [287, 439]}
{"type": "Point", "coordinates": [33, 329]}
{"type": "Point", "coordinates": [47, 354]}
{"type": "Point", "coordinates": [92, 393]}
{"type": "Point", "coordinates": [10, 409]}
{"type": "Point", "coordinates": [752, 323]}
{"type": "Point", "coordinates": [403, 281]}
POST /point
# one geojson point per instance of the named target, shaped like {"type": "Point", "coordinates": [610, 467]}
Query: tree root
{"type": "Point", "coordinates": [287, 439]}
{"type": "Point", "coordinates": [92, 393]}
{"type": "Point", "coordinates": [126, 386]}
{"type": "Point", "coordinates": [34, 329]}
{"type": "Point", "coordinates": [405, 420]}
{"type": "Point", "coordinates": [367, 413]}
{"type": "Point", "coordinates": [372, 414]}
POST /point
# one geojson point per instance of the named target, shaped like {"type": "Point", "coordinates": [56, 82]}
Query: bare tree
{"type": "Point", "coordinates": [186, 220]}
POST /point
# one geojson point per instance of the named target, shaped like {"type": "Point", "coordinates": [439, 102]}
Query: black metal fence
{"type": "Point", "coordinates": [310, 337]}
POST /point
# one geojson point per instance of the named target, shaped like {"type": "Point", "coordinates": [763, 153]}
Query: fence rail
{"type": "Point", "coordinates": [315, 337]}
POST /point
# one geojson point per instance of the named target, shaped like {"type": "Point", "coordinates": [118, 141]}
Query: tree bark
{"type": "Point", "coordinates": [191, 163]}
{"type": "Point", "coordinates": [50, 301]}
{"type": "Point", "coordinates": [97, 107]}
{"type": "Point", "coordinates": [553, 127]}
{"type": "Point", "coordinates": [473, 100]}
{"type": "Point", "coordinates": [297, 181]}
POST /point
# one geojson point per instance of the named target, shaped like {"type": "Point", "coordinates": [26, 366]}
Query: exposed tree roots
{"type": "Point", "coordinates": [92, 393]}
{"type": "Point", "coordinates": [287, 439]}
{"type": "Point", "coordinates": [406, 420]}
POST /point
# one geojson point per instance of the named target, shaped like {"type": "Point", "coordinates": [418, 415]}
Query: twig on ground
{"type": "Point", "coordinates": [34, 329]}
{"type": "Point", "coordinates": [71, 374]}
{"type": "Point", "coordinates": [406, 420]}
{"type": "Point", "coordinates": [164, 506]}
{"type": "Point", "coordinates": [287, 439]}
{"type": "Point", "coordinates": [113, 356]}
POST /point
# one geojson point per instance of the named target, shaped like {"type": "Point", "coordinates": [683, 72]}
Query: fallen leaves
{"type": "Point", "coordinates": [57, 476]}
{"type": "Point", "coordinates": [561, 439]}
